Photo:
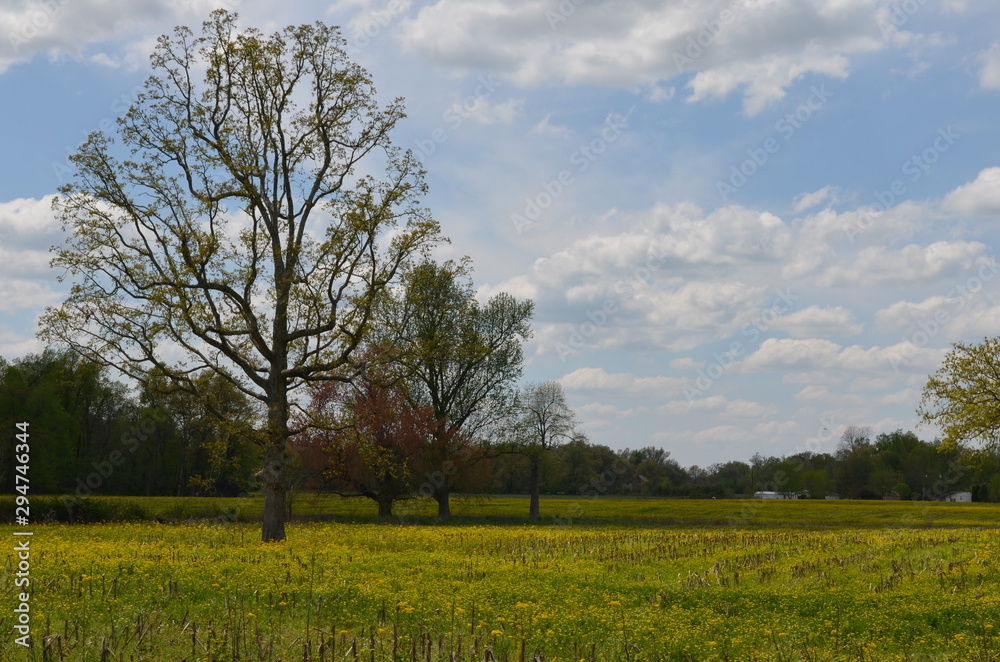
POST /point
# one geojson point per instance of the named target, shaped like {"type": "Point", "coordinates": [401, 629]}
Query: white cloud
{"type": "Point", "coordinates": [760, 47]}
{"type": "Point", "coordinates": [908, 265]}
{"type": "Point", "coordinates": [547, 128]}
{"type": "Point", "coordinates": [686, 363]}
{"type": "Point", "coordinates": [658, 93]}
{"type": "Point", "coordinates": [28, 227]}
{"type": "Point", "coordinates": [597, 379]}
{"type": "Point", "coordinates": [20, 294]}
{"type": "Point", "coordinates": [28, 222]}
{"type": "Point", "coordinates": [818, 355]}
{"type": "Point", "coordinates": [805, 201]}
{"type": "Point", "coordinates": [764, 81]}
{"type": "Point", "coordinates": [481, 111]}
{"type": "Point", "coordinates": [989, 75]}
{"type": "Point", "coordinates": [67, 29]}
{"type": "Point", "coordinates": [979, 198]}
{"type": "Point", "coordinates": [719, 404]}
{"type": "Point", "coordinates": [817, 321]}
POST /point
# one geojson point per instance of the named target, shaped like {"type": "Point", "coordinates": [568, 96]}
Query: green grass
{"type": "Point", "coordinates": [513, 510]}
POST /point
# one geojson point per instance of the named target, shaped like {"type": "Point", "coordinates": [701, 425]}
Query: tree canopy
{"type": "Point", "coordinates": [963, 396]}
{"type": "Point", "coordinates": [462, 359]}
{"type": "Point", "coordinates": [236, 222]}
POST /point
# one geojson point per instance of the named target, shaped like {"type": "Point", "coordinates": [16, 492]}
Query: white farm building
{"type": "Point", "coordinates": [958, 497]}
{"type": "Point", "coordinates": [775, 495]}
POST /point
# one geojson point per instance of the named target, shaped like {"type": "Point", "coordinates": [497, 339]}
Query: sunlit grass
{"type": "Point", "coordinates": [555, 509]}
{"type": "Point", "coordinates": [920, 588]}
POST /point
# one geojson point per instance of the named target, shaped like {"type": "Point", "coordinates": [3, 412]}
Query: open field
{"type": "Point", "coordinates": [842, 581]}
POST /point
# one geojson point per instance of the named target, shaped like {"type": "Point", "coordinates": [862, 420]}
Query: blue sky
{"type": "Point", "coordinates": [746, 224]}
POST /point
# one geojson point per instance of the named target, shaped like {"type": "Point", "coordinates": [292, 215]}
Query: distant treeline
{"type": "Point", "coordinates": [91, 434]}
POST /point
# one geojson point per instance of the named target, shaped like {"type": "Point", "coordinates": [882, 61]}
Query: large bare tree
{"type": "Point", "coordinates": [246, 218]}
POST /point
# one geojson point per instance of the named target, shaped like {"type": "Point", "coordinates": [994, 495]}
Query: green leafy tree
{"type": "Point", "coordinates": [208, 441]}
{"type": "Point", "coordinates": [462, 359]}
{"type": "Point", "coordinates": [229, 225]}
{"type": "Point", "coordinates": [76, 414]}
{"type": "Point", "coordinates": [963, 396]}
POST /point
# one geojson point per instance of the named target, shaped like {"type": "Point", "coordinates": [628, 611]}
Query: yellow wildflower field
{"type": "Point", "coordinates": [146, 591]}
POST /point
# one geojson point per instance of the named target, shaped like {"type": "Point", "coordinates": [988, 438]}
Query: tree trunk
{"type": "Point", "coordinates": [272, 475]}
{"type": "Point", "coordinates": [444, 506]}
{"type": "Point", "coordinates": [272, 478]}
{"type": "Point", "coordinates": [384, 506]}
{"type": "Point", "coordinates": [533, 510]}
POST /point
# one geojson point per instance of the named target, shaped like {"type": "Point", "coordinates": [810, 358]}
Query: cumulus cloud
{"type": "Point", "coordinates": [989, 74]}
{"type": "Point", "coordinates": [27, 229]}
{"type": "Point", "coordinates": [819, 321]}
{"type": "Point", "coordinates": [68, 29]}
{"type": "Point", "coordinates": [597, 379]}
{"type": "Point", "coordinates": [759, 47]}
{"type": "Point", "coordinates": [977, 199]}
{"type": "Point", "coordinates": [910, 264]}
{"type": "Point", "coordinates": [719, 405]}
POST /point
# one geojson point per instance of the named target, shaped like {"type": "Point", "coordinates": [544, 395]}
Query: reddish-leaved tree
{"type": "Point", "coordinates": [366, 439]}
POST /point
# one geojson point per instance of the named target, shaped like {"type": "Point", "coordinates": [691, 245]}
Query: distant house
{"type": "Point", "coordinates": [832, 497]}
{"type": "Point", "coordinates": [891, 496]}
{"type": "Point", "coordinates": [958, 497]}
{"type": "Point", "coordinates": [774, 495]}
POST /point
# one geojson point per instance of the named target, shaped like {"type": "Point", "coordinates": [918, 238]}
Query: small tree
{"type": "Point", "coordinates": [544, 421]}
{"type": "Point", "coordinates": [236, 232]}
{"type": "Point", "coordinates": [371, 436]}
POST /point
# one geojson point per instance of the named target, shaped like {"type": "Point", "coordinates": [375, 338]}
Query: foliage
{"type": "Point", "coordinates": [214, 433]}
{"type": "Point", "coordinates": [77, 414]}
{"type": "Point", "coordinates": [367, 437]}
{"type": "Point", "coordinates": [461, 358]}
{"type": "Point", "coordinates": [963, 396]}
